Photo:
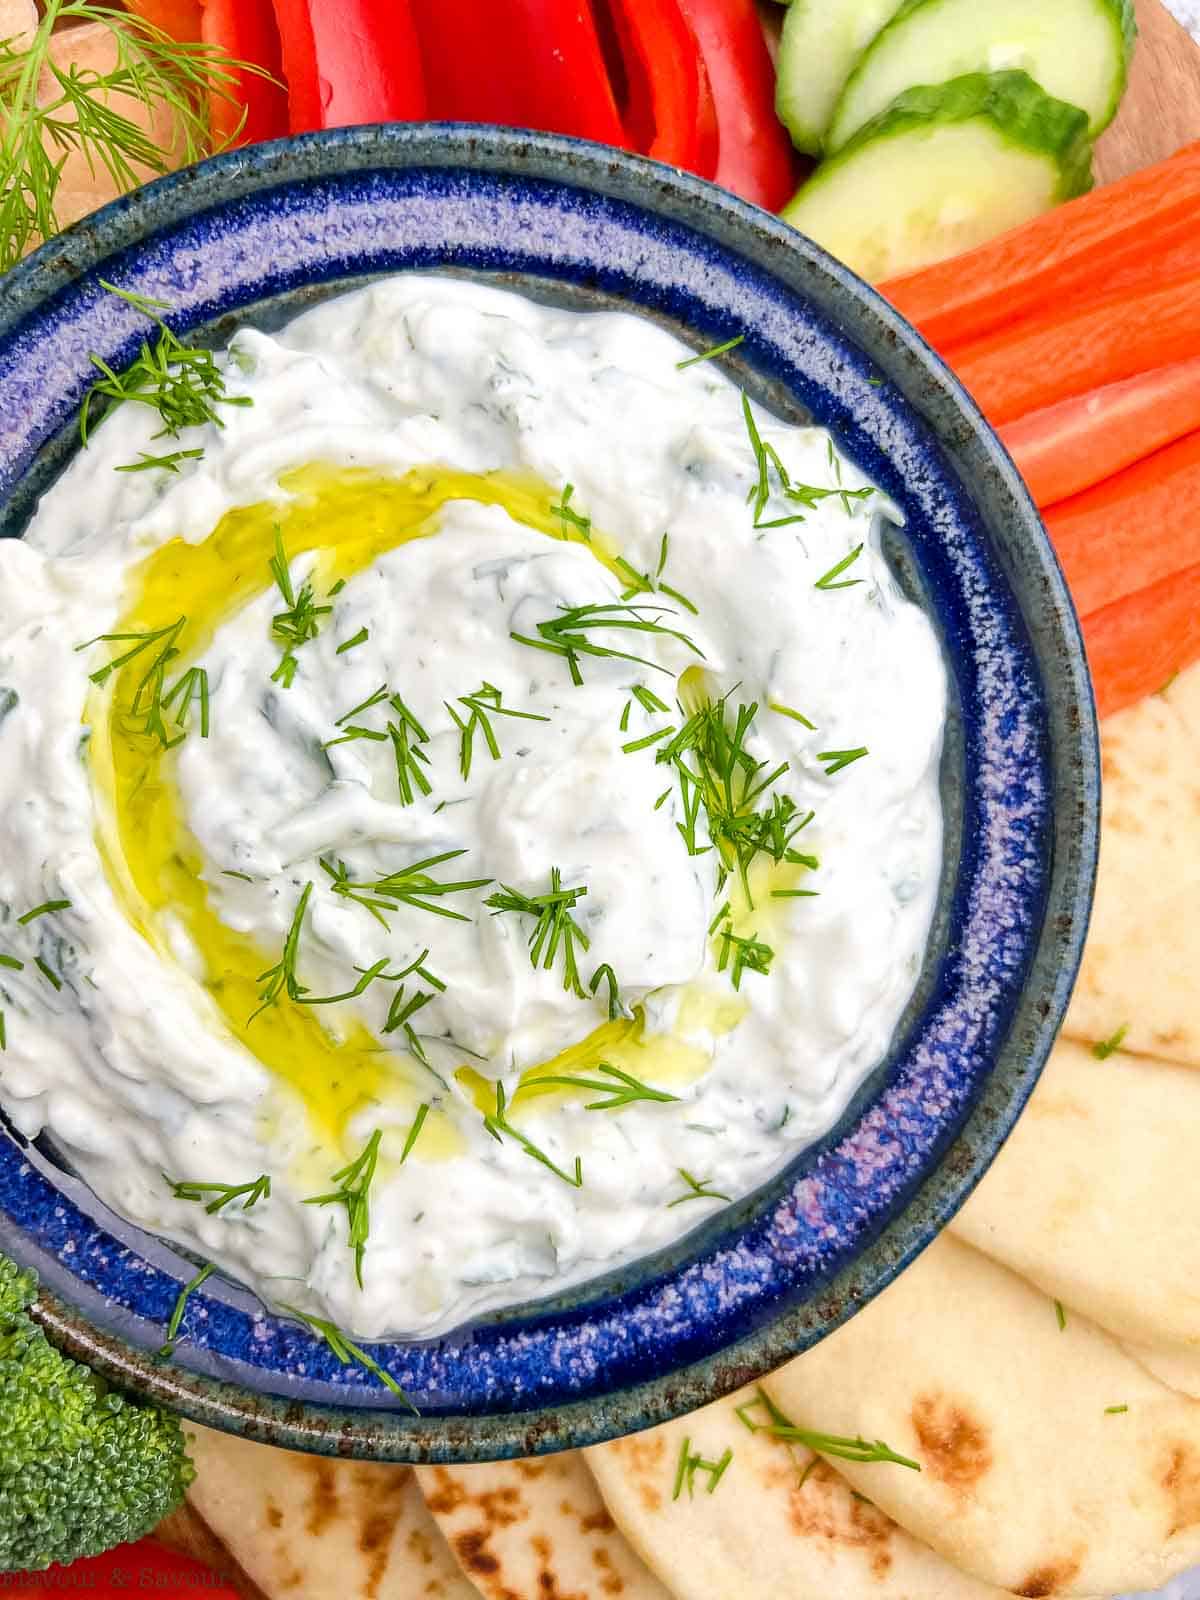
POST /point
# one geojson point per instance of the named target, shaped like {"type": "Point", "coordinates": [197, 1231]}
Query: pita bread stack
{"type": "Point", "coordinates": [1040, 1362]}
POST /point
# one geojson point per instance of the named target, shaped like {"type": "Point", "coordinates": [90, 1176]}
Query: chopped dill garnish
{"type": "Point", "coordinates": [781, 1426]}
{"type": "Point", "coordinates": [643, 583]}
{"type": "Point", "coordinates": [567, 634]}
{"type": "Point", "coordinates": [570, 518]}
{"type": "Point", "coordinates": [834, 573]}
{"type": "Point", "coordinates": [711, 355]}
{"type": "Point", "coordinates": [243, 877]}
{"type": "Point", "coordinates": [497, 1124]}
{"type": "Point", "coordinates": [347, 1351]}
{"type": "Point", "coordinates": [409, 885]}
{"type": "Point", "coordinates": [414, 1133]}
{"type": "Point", "coordinates": [790, 711]}
{"type": "Point", "coordinates": [3, 1033]}
{"type": "Point", "coordinates": [1060, 1316]}
{"type": "Point", "coordinates": [748, 955]}
{"type": "Point", "coordinates": [622, 1088]}
{"type": "Point", "coordinates": [766, 460]}
{"type": "Point", "coordinates": [648, 739]}
{"type": "Point", "coordinates": [43, 910]}
{"type": "Point", "coordinates": [168, 1346]}
{"type": "Point", "coordinates": [182, 383]}
{"type": "Point", "coordinates": [691, 1463]}
{"type": "Point", "coordinates": [372, 699]}
{"type": "Point", "coordinates": [354, 1192]}
{"type": "Point", "coordinates": [483, 704]}
{"type": "Point", "coordinates": [1115, 1411]}
{"type": "Point", "coordinates": [300, 623]}
{"type": "Point", "coordinates": [225, 1193]}
{"type": "Point", "coordinates": [168, 463]}
{"type": "Point", "coordinates": [48, 972]}
{"type": "Point", "coordinates": [647, 699]}
{"type": "Point", "coordinates": [11, 961]}
{"type": "Point", "coordinates": [554, 927]}
{"type": "Point", "coordinates": [151, 698]}
{"type": "Point", "coordinates": [698, 1189]}
{"type": "Point", "coordinates": [605, 974]}
{"type": "Point", "coordinates": [1109, 1047]}
{"type": "Point", "coordinates": [282, 977]}
{"type": "Point", "coordinates": [353, 643]}
{"type": "Point", "coordinates": [837, 759]}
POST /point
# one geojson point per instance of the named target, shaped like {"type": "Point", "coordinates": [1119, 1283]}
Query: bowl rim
{"type": "Point", "coordinates": [371, 1433]}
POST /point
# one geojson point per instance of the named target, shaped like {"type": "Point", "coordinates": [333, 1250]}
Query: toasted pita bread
{"type": "Point", "coordinates": [18, 19]}
{"type": "Point", "coordinates": [308, 1528]}
{"type": "Point", "coordinates": [780, 1524]}
{"type": "Point", "coordinates": [1177, 1368]}
{"type": "Point", "coordinates": [1092, 1198]}
{"type": "Point", "coordinates": [1029, 1480]}
{"type": "Point", "coordinates": [1143, 955]}
{"type": "Point", "coordinates": [535, 1528]}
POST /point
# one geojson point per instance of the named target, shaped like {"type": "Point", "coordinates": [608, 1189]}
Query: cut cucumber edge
{"type": "Point", "coordinates": [820, 42]}
{"type": "Point", "coordinates": [1114, 18]}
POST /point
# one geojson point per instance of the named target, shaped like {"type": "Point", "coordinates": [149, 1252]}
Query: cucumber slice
{"type": "Point", "coordinates": [943, 169]}
{"type": "Point", "coordinates": [1078, 50]}
{"type": "Point", "coordinates": [820, 42]}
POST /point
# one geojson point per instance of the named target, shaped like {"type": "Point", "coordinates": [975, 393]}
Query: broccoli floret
{"type": "Point", "coordinates": [81, 1468]}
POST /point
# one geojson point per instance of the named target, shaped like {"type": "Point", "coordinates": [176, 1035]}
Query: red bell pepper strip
{"type": "Point", "coordinates": [245, 30]}
{"type": "Point", "coordinates": [670, 100]}
{"type": "Point", "coordinates": [145, 1567]}
{"type": "Point", "coordinates": [755, 157]}
{"type": "Point", "coordinates": [521, 63]}
{"type": "Point", "coordinates": [179, 18]}
{"type": "Point", "coordinates": [349, 61]}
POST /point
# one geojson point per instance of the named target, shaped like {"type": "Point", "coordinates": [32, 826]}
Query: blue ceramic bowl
{"type": "Point", "coordinates": [256, 236]}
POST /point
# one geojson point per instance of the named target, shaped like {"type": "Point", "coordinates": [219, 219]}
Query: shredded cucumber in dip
{"type": "Point", "coordinates": [495, 803]}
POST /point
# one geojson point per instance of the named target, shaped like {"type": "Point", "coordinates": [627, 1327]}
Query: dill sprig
{"type": "Point", "coordinates": [711, 355]}
{"type": "Point", "coordinates": [697, 1189]}
{"type": "Point", "coordinates": [482, 705]}
{"type": "Point", "coordinates": [50, 111]}
{"type": "Point", "coordinates": [829, 580]}
{"type": "Point", "coordinates": [567, 635]}
{"type": "Point", "coordinates": [836, 760]}
{"type": "Point", "coordinates": [347, 1351]}
{"type": "Point", "coordinates": [622, 1088]}
{"type": "Point", "coordinates": [781, 1426]}
{"type": "Point", "coordinates": [554, 928]}
{"type": "Point", "coordinates": [643, 583]}
{"type": "Point", "coordinates": [168, 1345]}
{"type": "Point", "coordinates": [402, 1010]}
{"type": "Point", "coordinates": [406, 735]}
{"type": "Point", "coordinates": [569, 518]}
{"type": "Point", "coordinates": [767, 461]}
{"type": "Point", "coordinates": [302, 619]}
{"type": "Point", "coordinates": [690, 1463]}
{"type": "Point", "coordinates": [748, 954]}
{"type": "Point", "coordinates": [414, 1133]}
{"type": "Point", "coordinates": [354, 1192]}
{"type": "Point", "coordinates": [224, 1193]}
{"type": "Point", "coordinates": [411, 886]}
{"type": "Point", "coordinates": [281, 978]}
{"type": "Point", "coordinates": [152, 701]}
{"type": "Point", "coordinates": [605, 974]}
{"type": "Point", "coordinates": [167, 463]}
{"type": "Point", "coordinates": [182, 382]}
{"type": "Point", "coordinates": [497, 1124]}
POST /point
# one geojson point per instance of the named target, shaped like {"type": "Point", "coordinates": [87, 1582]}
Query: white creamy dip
{"type": "Point", "coordinates": [131, 1042]}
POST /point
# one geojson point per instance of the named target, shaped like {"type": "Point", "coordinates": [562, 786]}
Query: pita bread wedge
{"type": "Point", "coordinates": [1143, 955]}
{"type": "Point", "coordinates": [18, 19]}
{"type": "Point", "coordinates": [1093, 1197]}
{"type": "Point", "coordinates": [1177, 1368]}
{"type": "Point", "coordinates": [1030, 1479]}
{"type": "Point", "coordinates": [535, 1528]}
{"type": "Point", "coordinates": [311, 1528]}
{"type": "Point", "coordinates": [779, 1525]}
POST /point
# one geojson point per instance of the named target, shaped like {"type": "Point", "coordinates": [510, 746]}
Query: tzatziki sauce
{"type": "Point", "coordinates": [485, 783]}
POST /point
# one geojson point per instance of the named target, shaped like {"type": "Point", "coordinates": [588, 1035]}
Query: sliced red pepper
{"type": "Point", "coordinates": [670, 102]}
{"type": "Point", "coordinates": [755, 157]}
{"type": "Point", "coordinates": [179, 18]}
{"type": "Point", "coordinates": [349, 61]}
{"type": "Point", "coordinates": [521, 63]}
{"type": "Point", "coordinates": [245, 30]}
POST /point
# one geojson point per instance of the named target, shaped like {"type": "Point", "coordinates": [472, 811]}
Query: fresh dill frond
{"type": "Point", "coordinates": [152, 700]}
{"type": "Point", "coordinates": [52, 110]}
{"type": "Point", "coordinates": [302, 620]}
{"type": "Point", "coordinates": [748, 954]}
{"type": "Point", "coordinates": [780, 1426]}
{"type": "Point", "coordinates": [167, 463]}
{"type": "Point", "coordinates": [622, 1088]}
{"type": "Point", "coordinates": [697, 1189]}
{"type": "Point", "coordinates": [767, 462]}
{"type": "Point", "coordinates": [691, 1462]}
{"type": "Point", "coordinates": [281, 978]}
{"type": "Point", "coordinates": [224, 1193]}
{"type": "Point", "coordinates": [497, 1124]}
{"type": "Point", "coordinates": [354, 1192]}
{"type": "Point", "coordinates": [836, 760]}
{"type": "Point", "coordinates": [414, 1133]}
{"type": "Point", "coordinates": [554, 927]}
{"type": "Point", "coordinates": [644, 583]}
{"type": "Point", "coordinates": [409, 885]}
{"type": "Point", "coordinates": [48, 972]}
{"type": "Point", "coordinates": [12, 963]}
{"type": "Point", "coordinates": [569, 518]}
{"type": "Point", "coordinates": [711, 355]}
{"type": "Point", "coordinates": [568, 634]}
{"type": "Point", "coordinates": [829, 580]}
{"type": "Point", "coordinates": [168, 1346]}
{"type": "Point", "coordinates": [45, 909]}
{"type": "Point", "coordinates": [605, 974]}
{"type": "Point", "coordinates": [353, 642]}
{"type": "Point", "coordinates": [347, 1351]}
{"type": "Point", "coordinates": [482, 705]}
{"type": "Point", "coordinates": [790, 711]}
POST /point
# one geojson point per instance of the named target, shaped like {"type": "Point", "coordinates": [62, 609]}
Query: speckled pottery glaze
{"type": "Point", "coordinates": [257, 235]}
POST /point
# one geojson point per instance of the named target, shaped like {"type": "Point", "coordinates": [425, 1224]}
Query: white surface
{"type": "Point", "coordinates": [1188, 12]}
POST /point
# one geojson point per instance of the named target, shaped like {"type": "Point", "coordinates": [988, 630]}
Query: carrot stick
{"type": "Point", "coordinates": [1068, 447]}
{"type": "Point", "coordinates": [1046, 360]}
{"type": "Point", "coordinates": [1075, 246]}
{"type": "Point", "coordinates": [1136, 645]}
{"type": "Point", "coordinates": [1137, 527]}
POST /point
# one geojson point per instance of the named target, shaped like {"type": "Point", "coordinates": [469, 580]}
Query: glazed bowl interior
{"type": "Point", "coordinates": [254, 238]}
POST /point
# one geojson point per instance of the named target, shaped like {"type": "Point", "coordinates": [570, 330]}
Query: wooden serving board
{"type": "Point", "coordinates": [1161, 111]}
